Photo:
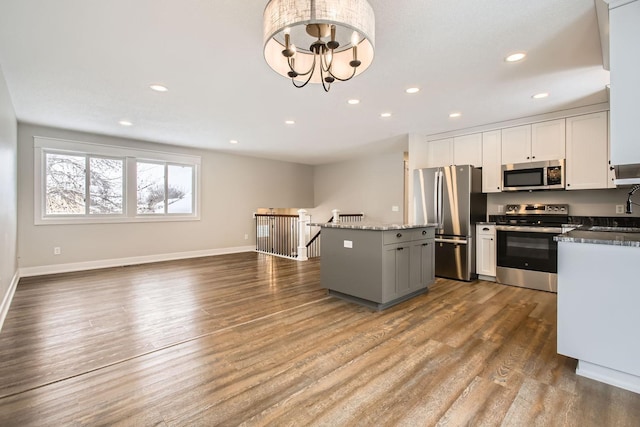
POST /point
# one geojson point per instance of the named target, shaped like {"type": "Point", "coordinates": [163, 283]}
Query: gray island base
{"type": "Point", "coordinates": [377, 265]}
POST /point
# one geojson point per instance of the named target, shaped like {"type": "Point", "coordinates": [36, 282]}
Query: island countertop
{"type": "Point", "coordinates": [615, 236]}
{"type": "Point", "coordinates": [364, 225]}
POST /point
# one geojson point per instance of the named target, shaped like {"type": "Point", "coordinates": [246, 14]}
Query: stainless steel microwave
{"type": "Point", "coordinates": [533, 176]}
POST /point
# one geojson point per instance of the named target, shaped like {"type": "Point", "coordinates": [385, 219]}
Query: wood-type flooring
{"type": "Point", "coordinates": [250, 339]}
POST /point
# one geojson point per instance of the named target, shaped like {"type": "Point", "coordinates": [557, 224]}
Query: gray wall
{"type": "Point", "coordinates": [370, 184]}
{"type": "Point", "coordinates": [8, 190]}
{"type": "Point", "coordinates": [232, 188]}
{"type": "Point", "coordinates": [581, 202]}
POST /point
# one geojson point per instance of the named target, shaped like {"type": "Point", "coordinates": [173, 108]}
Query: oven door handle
{"type": "Point", "coordinates": [523, 228]}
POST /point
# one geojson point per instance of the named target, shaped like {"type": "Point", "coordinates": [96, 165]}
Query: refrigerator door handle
{"type": "Point", "coordinates": [436, 212]}
{"type": "Point", "coordinates": [457, 242]}
{"type": "Point", "coordinates": [440, 190]}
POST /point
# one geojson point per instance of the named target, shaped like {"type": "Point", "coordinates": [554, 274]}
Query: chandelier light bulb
{"type": "Point", "coordinates": [355, 38]}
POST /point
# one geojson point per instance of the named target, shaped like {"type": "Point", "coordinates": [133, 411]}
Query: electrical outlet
{"type": "Point", "coordinates": [395, 209]}
{"type": "Point", "coordinates": [500, 208]}
{"type": "Point", "coordinates": [619, 209]}
{"type": "Point", "coordinates": [246, 237]}
{"type": "Point", "coordinates": [56, 250]}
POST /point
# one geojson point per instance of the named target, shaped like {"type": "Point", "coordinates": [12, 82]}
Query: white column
{"type": "Point", "coordinates": [336, 215]}
{"type": "Point", "coordinates": [303, 221]}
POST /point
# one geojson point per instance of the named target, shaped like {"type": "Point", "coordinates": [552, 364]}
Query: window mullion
{"type": "Point", "coordinates": [87, 185]}
{"type": "Point", "coordinates": [131, 193]}
{"type": "Point", "coordinates": [166, 188]}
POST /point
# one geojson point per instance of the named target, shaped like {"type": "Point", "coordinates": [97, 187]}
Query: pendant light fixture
{"type": "Point", "coordinates": [319, 41]}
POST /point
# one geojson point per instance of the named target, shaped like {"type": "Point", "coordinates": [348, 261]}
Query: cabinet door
{"type": "Point", "coordinates": [548, 140]}
{"type": "Point", "coordinates": [486, 255]}
{"type": "Point", "coordinates": [516, 145]}
{"type": "Point", "coordinates": [422, 264]}
{"type": "Point", "coordinates": [611, 172]}
{"type": "Point", "coordinates": [492, 162]}
{"type": "Point", "coordinates": [625, 90]}
{"type": "Point", "coordinates": [428, 265]}
{"type": "Point", "coordinates": [440, 153]}
{"type": "Point", "coordinates": [587, 152]}
{"type": "Point", "coordinates": [396, 280]}
{"type": "Point", "coordinates": [467, 150]}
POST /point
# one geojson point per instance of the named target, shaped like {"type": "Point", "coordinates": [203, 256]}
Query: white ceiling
{"type": "Point", "coordinates": [87, 64]}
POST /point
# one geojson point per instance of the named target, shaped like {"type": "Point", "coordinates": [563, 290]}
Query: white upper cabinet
{"type": "Point", "coordinates": [624, 23]}
{"type": "Point", "coordinates": [548, 140]}
{"type": "Point", "coordinates": [467, 150]}
{"type": "Point", "coordinates": [587, 165]}
{"type": "Point", "coordinates": [492, 161]}
{"type": "Point", "coordinates": [534, 143]}
{"type": "Point", "coordinates": [440, 153]}
{"type": "Point", "coordinates": [516, 145]}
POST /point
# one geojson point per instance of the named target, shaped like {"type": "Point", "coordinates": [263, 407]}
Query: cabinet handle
{"type": "Point", "coordinates": [424, 232]}
{"type": "Point", "coordinates": [568, 185]}
{"type": "Point", "coordinates": [533, 157]}
{"type": "Point", "coordinates": [399, 249]}
{"type": "Point", "coordinates": [485, 229]}
{"type": "Point", "coordinates": [425, 244]}
{"type": "Point", "coordinates": [527, 157]}
{"type": "Point", "coordinates": [497, 188]}
{"type": "Point", "coordinates": [399, 235]}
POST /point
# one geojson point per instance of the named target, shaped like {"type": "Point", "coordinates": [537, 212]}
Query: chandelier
{"type": "Point", "coordinates": [339, 35]}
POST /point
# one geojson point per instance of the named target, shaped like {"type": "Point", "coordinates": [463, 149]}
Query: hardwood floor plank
{"type": "Point", "coordinates": [247, 339]}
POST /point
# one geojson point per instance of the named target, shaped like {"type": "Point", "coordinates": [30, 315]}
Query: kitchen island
{"type": "Point", "coordinates": [377, 265]}
{"type": "Point", "coordinates": [598, 297]}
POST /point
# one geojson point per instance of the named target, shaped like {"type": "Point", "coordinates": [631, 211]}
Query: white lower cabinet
{"type": "Point", "coordinates": [486, 251]}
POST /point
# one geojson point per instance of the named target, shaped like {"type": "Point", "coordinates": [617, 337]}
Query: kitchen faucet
{"type": "Point", "coordinates": [629, 202]}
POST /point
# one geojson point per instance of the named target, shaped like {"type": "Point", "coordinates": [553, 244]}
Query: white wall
{"type": "Point", "coordinates": [8, 198]}
{"type": "Point", "coordinates": [232, 188]}
{"type": "Point", "coordinates": [370, 184]}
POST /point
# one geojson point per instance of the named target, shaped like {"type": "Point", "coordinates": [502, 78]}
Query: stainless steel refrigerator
{"type": "Point", "coordinates": [452, 198]}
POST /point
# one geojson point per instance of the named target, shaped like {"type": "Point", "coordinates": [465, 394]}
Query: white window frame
{"type": "Point", "coordinates": [130, 156]}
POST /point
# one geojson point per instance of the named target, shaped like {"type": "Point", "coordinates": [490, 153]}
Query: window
{"type": "Point", "coordinates": [164, 188]}
{"type": "Point", "coordinates": [83, 183]}
{"type": "Point", "coordinates": [66, 189]}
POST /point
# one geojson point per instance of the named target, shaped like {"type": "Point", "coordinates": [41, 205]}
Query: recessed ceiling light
{"type": "Point", "coordinates": [159, 88]}
{"type": "Point", "coordinates": [354, 101]}
{"type": "Point", "coordinates": [233, 141]}
{"type": "Point", "coordinates": [125, 123]}
{"type": "Point", "coordinates": [515, 57]}
{"type": "Point", "coordinates": [454, 115]}
{"type": "Point", "coordinates": [413, 90]}
{"type": "Point", "coordinates": [540, 95]}
{"type": "Point", "coordinates": [385, 115]}
{"type": "Point", "coordinates": [289, 122]}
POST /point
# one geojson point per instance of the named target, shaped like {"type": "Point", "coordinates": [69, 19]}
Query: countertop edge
{"type": "Point", "coordinates": [600, 238]}
{"type": "Point", "coordinates": [370, 226]}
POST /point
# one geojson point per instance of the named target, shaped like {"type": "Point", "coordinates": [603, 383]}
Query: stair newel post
{"type": "Point", "coordinates": [336, 215]}
{"type": "Point", "coordinates": [303, 230]}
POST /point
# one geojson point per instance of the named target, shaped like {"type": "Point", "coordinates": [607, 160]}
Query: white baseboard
{"type": "Point", "coordinates": [119, 262]}
{"type": "Point", "coordinates": [8, 296]}
{"type": "Point", "coordinates": [608, 376]}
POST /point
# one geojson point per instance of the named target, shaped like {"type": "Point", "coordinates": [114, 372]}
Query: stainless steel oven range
{"type": "Point", "coordinates": [527, 255]}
